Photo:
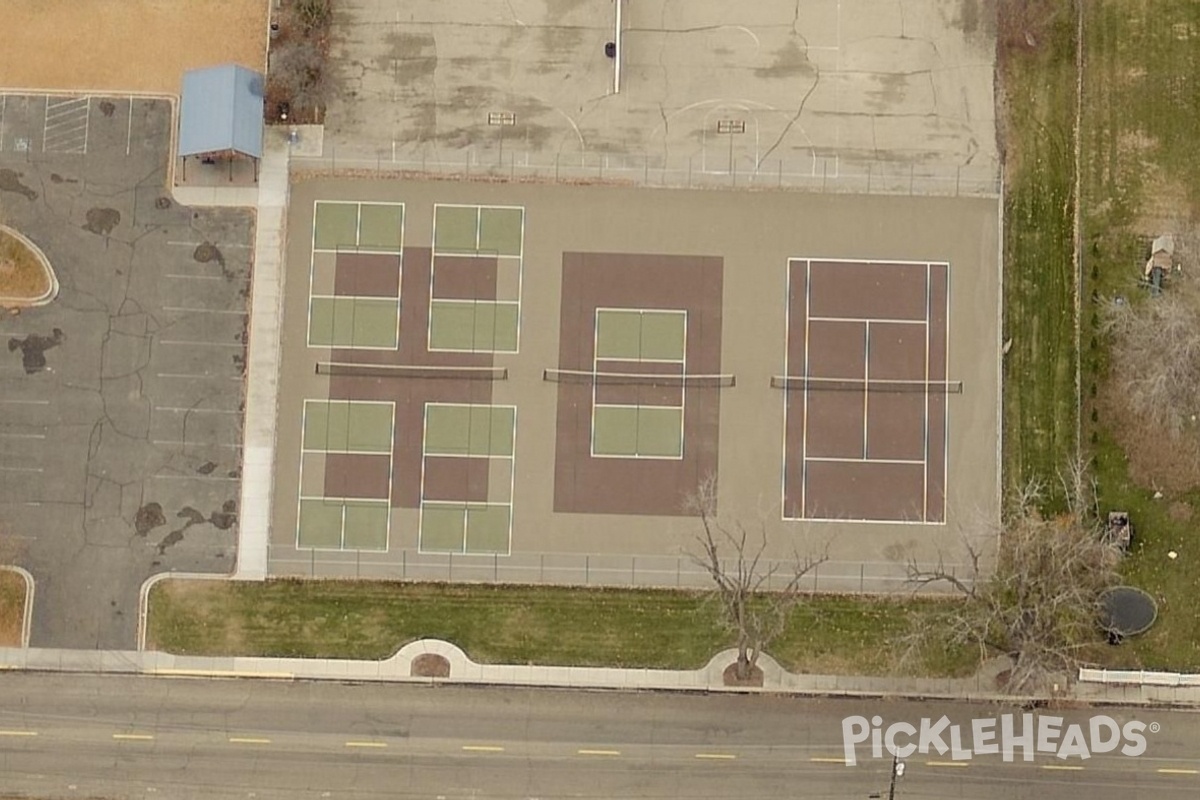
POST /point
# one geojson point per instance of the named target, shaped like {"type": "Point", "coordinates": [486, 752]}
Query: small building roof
{"type": "Point", "coordinates": [221, 109]}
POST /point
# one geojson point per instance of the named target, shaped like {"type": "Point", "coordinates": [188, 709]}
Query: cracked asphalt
{"type": "Point", "coordinates": [868, 96]}
{"type": "Point", "coordinates": [121, 401]}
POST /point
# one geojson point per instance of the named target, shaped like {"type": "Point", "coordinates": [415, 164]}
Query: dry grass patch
{"type": "Point", "coordinates": [12, 608]}
{"type": "Point", "coordinates": [22, 275]}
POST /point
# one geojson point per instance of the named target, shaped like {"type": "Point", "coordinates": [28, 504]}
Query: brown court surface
{"type": "Point", "coordinates": [126, 45]}
{"type": "Point", "coordinates": [885, 473]}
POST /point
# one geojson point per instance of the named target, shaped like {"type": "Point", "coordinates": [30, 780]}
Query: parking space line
{"type": "Point", "coordinates": [181, 443]}
{"type": "Point", "coordinates": [187, 343]}
{"type": "Point", "coordinates": [25, 402]}
{"type": "Point", "coordinates": [22, 436]}
{"type": "Point", "coordinates": [21, 469]}
{"type": "Point", "coordinates": [224, 245]}
{"type": "Point", "coordinates": [190, 310]}
{"type": "Point", "coordinates": [185, 410]}
{"type": "Point", "coordinates": [217, 478]}
{"type": "Point", "coordinates": [196, 376]}
{"type": "Point", "coordinates": [196, 277]}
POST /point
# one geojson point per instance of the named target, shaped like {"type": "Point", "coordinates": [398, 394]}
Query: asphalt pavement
{"type": "Point", "coordinates": [134, 737]}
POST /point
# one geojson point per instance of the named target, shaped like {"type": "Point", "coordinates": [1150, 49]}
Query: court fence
{"type": "Point", "coordinates": [572, 569]}
{"type": "Point", "coordinates": [816, 173]}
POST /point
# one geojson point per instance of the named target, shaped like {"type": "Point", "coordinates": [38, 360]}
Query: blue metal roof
{"type": "Point", "coordinates": [221, 109]}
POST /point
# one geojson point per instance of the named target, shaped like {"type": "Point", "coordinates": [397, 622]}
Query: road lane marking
{"type": "Point", "coordinates": [366, 744]}
{"type": "Point", "coordinates": [247, 740]}
{"type": "Point", "coordinates": [598, 752]}
{"type": "Point", "coordinates": [717, 756]}
{"type": "Point", "coordinates": [18, 733]}
{"type": "Point", "coordinates": [482, 748]}
{"type": "Point", "coordinates": [1062, 767]}
{"type": "Point", "coordinates": [140, 737]}
{"type": "Point", "coordinates": [1167, 771]}
{"type": "Point", "coordinates": [819, 760]}
{"type": "Point", "coordinates": [946, 764]}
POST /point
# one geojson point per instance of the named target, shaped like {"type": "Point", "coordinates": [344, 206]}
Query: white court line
{"type": "Point", "coordinates": [186, 309]}
{"type": "Point", "coordinates": [863, 460]}
{"type": "Point", "coordinates": [187, 343]}
{"type": "Point", "coordinates": [928, 306]}
{"type": "Point", "coordinates": [867, 382]}
{"type": "Point", "coordinates": [804, 432]}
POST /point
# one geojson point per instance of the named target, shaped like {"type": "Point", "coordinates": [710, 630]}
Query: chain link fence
{"type": "Point", "coordinates": [820, 173]}
{"type": "Point", "coordinates": [571, 569]}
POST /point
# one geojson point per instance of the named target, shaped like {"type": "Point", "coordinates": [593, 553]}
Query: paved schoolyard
{"type": "Point", "coordinates": [120, 402]}
{"type": "Point", "coordinates": [870, 95]}
{"type": "Point", "coordinates": [523, 382]}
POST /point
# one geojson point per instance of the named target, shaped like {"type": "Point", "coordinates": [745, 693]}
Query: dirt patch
{"type": "Point", "coordinates": [22, 276]}
{"type": "Point", "coordinates": [755, 678]}
{"type": "Point", "coordinates": [12, 608]}
{"type": "Point", "coordinates": [132, 45]}
{"type": "Point", "coordinates": [430, 665]}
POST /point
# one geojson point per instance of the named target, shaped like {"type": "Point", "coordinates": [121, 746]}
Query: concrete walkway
{"type": "Point", "coordinates": [462, 670]}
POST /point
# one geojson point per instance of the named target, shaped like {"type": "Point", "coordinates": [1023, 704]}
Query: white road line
{"type": "Point", "coordinates": [187, 343]}
{"type": "Point", "coordinates": [190, 310]}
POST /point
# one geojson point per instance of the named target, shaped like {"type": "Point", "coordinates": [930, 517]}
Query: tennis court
{"type": "Point", "coordinates": [354, 275]}
{"type": "Point", "coordinates": [345, 475]}
{"type": "Point", "coordinates": [475, 294]}
{"type": "Point", "coordinates": [866, 391]}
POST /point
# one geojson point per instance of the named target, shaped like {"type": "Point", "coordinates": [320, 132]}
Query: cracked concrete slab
{"type": "Point", "coordinates": [131, 405]}
{"type": "Point", "coordinates": [876, 95]}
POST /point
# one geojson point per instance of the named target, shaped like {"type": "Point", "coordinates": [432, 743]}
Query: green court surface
{"type": "Point", "coordinates": [637, 431]}
{"type": "Point", "coordinates": [462, 430]}
{"type": "Point", "coordinates": [632, 334]}
{"type": "Point", "coordinates": [351, 322]}
{"type": "Point", "coordinates": [478, 229]}
{"type": "Point", "coordinates": [331, 524]}
{"type": "Point", "coordinates": [347, 426]}
{"type": "Point", "coordinates": [358, 226]}
{"type": "Point", "coordinates": [474, 325]}
{"type": "Point", "coordinates": [458, 528]}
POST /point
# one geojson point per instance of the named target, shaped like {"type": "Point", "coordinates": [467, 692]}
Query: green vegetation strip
{"type": "Point", "coordinates": [1039, 273]}
{"type": "Point", "coordinates": [522, 625]}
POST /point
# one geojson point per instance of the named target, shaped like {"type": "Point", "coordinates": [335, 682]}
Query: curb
{"type": "Point", "coordinates": [27, 621]}
{"type": "Point", "coordinates": [52, 292]}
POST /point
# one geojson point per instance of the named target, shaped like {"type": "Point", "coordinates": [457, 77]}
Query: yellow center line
{"type": "Point", "coordinates": [18, 733]}
{"type": "Point", "coordinates": [140, 737]}
{"type": "Point", "coordinates": [482, 748]}
{"type": "Point", "coordinates": [247, 740]}
{"type": "Point", "coordinates": [946, 764]}
{"type": "Point", "coordinates": [819, 760]}
{"type": "Point", "coordinates": [598, 752]}
{"type": "Point", "coordinates": [1061, 766]}
{"type": "Point", "coordinates": [1168, 771]}
{"type": "Point", "coordinates": [366, 744]}
{"type": "Point", "coordinates": [718, 756]}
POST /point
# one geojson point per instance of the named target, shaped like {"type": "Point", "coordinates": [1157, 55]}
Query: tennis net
{"type": "Point", "coordinates": [412, 371]}
{"type": "Point", "coordinates": [638, 379]}
{"type": "Point", "coordinates": [800, 383]}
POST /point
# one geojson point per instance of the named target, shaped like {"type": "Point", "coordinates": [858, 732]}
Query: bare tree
{"type": "Point", "coordinates": [755, 596]}
{"type": "Point", "coordinates": [298, 69]}
{"type": "Point", "coordinates": [1032, 589]}
{"type": "Point", "coordinates": [1155, 356]}
{"type": "Point", "coordinates": [313, 14]}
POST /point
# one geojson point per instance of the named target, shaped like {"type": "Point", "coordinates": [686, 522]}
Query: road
{"type": "Point", "coordinates": [181, 739]}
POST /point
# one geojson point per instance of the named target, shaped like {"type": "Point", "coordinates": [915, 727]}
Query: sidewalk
{"type": "Point", "coordinates": [462, 671]}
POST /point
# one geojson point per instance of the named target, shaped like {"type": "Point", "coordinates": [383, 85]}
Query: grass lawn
{"type": "Point", "coordinates": [1142, 177]}
{"type": "Point", "coordinates": [1038, 85]}
{"type": "Point", "coordinates": [12, 608]}
{"type": "Point", "coordinates": [516, 625]}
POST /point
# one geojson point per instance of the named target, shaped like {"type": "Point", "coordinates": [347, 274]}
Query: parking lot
{"type": "Point", "coordinates": [120, 402]}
